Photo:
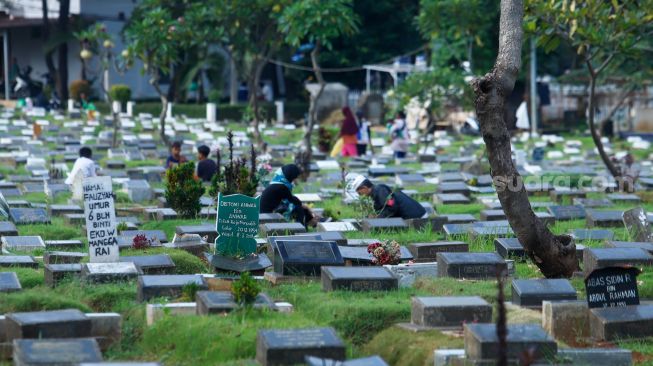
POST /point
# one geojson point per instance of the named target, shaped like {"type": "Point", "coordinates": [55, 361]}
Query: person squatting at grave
{"type": "Point", "coordinates": [389, 203]}
{"type": "Point", "coordinates": [206, 168]}
{"type": "Point", "coordinates": [364, 134]}
{"type": "Point", "coordinates": [84, 165]}
{"type": "Point", "coordinates": [278, 197]}
{"type": "Point", "coordinates": [175, 157]}
{"type": "Point", "coordinates": [348, 132]}
{"type": "Point", "coordinates": [399, 138]}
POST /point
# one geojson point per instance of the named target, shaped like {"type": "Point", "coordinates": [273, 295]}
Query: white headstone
{"type": "Point", "coordinates": [100, 219]}
{"type": "Point", "coordinates": [279, 105]}
{"type": "Point", "coordinates": [116, 106]}
{"type": "Point", "coordinates": [130, 108]}
{"type": "Point", "coordinates": [211, 112]}
{"type": "Point", "coordinates": [71, 105]}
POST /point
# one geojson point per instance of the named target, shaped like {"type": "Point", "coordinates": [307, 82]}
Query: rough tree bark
{"type": "Point", "coordinates": [254, 80]}
{"type": "Point", "coordinates": [555, 255]}
{"type": "Point", "coordinates": [49, 62]}
{"type": "Point", "coordinates": [164, 108]}
{"type": "Point", "coordinates": [62, 74]}
{"type": "Point", "coordinates": [312, 111]}
{"type": "Point", "coordinates": [596, 136]}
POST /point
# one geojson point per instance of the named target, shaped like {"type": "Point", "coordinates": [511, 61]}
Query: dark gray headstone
{"type": "Point", "coordinates": [604, 218]}
{"type": "Point", "coordinates": [109, 272]}
{"type": "Point", "coordinates": [281, 228]}
{"type": "Point", "coordinates": [265, 218]}
{"type": "Point", "coordinates": [532, 292]}
{"type": "Point", "coordinates": [624, 198]}
{"type": "Point", "coordinates": [637, 224]}
{"type": "Point", "coordinates": [460, 218]}
{"type": "Point", "coordinates": [451, 311]}
{"type": "Point", "coordinates": [25, 216]}
{"type": "Point", "coordinates": [451, 199]}
{"type": "Point", "coordinates": [492, 215]}
{"type": "Point", "coordinates": [150, 234]}
{"type": "Point", "coordinates": [253, 263]}
{"type": "Point", "coordinates": [595, 258]}
{"type": "Point", "coordinates": [592, 202]}
{"type": "Point", "coordinates": [565, 213]}
{"type": "Point", "coordinates": [385, 224]}
{"type": "Point", "coordinates": [619, 323]}
{"type": "Point", "coordinates": [454, 187]}
{"type": "Point", "coordinates": [9, 282]}
{"type": "Point", "coordinates": [70, 323]}
{"type": "Point", "coordinates": [55, 273]}
{"type": "Point", "coordinates": [470, 265]}
{"type": "Point", "coordinates": [305, 257]}
{"type": "Point", "coordinates": [152, 286]}
{"type": "Point", "coordinates": [22, 243]}
{"type": "Point", "coordinates": [509, 248]}
{"type": "Point", "coordinates": [18, 261]}
{"type": "Point", "coordinates": [55, 257]}
{"type": "Point", "coordinates": [206, 231]}
{"type": "Point", "coordinates": [648, 246]}
{"type": "Point", "coordinates": [151, 264]}
{"type": "Point", "coordinates": [219, 302]}
{"type": "Point", "coordinates": [63, 244]}
{"type": "Point", "coordinates": [8, 228]}
{"type": "Point", "coordinates": [592, 234]}
{"type": "Point", "coordinates": [366, 361]}
{"type": "Point", "coordinates": [373, 278]}
{"type": "Point", "coordinates": [428, 252]}
{"type": "Point", "coordinates": [482, 342]}
{"type": "Point", "coordinates": [60, 352]}
{"type": "Point", "coordinates": [291, 346]}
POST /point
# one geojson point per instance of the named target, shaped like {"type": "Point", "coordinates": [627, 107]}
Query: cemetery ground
{"type": "Point", "coordinates": [366, 320]}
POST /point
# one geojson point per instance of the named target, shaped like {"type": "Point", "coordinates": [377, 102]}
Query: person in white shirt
{"type": "Point", "coordinates": [364, 134]}
{"type": "Point", "coordinates": [83, 165]}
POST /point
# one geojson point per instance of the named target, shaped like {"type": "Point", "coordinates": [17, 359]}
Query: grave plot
{"type": "Point", "coordinates": [306, 277]}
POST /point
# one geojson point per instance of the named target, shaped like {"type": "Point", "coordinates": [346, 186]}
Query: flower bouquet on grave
{"type": "Point", "coordinates": [385, 252]}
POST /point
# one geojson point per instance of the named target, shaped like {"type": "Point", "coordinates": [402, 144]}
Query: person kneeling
{"type": "Point", "coordinates": [278, 197]}
{"type": "Point", "coordinates": [389, 203]}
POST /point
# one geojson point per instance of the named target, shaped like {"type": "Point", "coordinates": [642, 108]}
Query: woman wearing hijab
{"type": "Point", "coordinates": [278, 197]}
{"type": "Point", "coordinates": [348, 133]}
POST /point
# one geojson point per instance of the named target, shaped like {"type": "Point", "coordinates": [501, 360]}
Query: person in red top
{"type": "Point", "coordinates": [348, 133]}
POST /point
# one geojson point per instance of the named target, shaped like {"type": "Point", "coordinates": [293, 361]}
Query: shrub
{"type": "Point", "coordinates": [121, 93]}
{"type": "Point", "coordinates": [77, 87]}
{"type": "Point", "coordinates": [215, 95]}
{"type": "Point", "coordinates": [183, 191]}
{"type": "Point", "coordinates": [236, 177]}
{"type": "Point", "coordinates": [245, 290]}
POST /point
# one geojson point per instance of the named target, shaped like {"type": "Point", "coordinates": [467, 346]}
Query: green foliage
{"type": "Point", "coordinates": [121, 93]}
{"type": "Point", "coordinates": [215, 95]}
{"type": "Point", "coordinates": [245, 289]}
{"type": "Point", "coordinates": [183, 191]}
{"type": "Point", "coordinates": [185, 263]}
{"type": "Point", "coordinates": [189, 291]}
{"type": "Point", "coordinates": [29, 277]}
{"type": "Point", "coordinates": [236, 176]}
{"type": "Point", "coordinates": [79, 87]}
{"type": "Point", "coordinates": [33, 300]}
{"type": "Point", "coordinates": [317, 21]}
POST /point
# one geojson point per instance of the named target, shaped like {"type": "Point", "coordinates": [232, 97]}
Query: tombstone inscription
{"type": "Point", "coordinates": [612, 287]}
{"type": "Point", "coordinates": [100, 219]}
{"type": "Point", "coordinates": [237, 225]}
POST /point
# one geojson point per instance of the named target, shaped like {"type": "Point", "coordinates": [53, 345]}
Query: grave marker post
{"type": "Point", "coordinates": [100, 219]}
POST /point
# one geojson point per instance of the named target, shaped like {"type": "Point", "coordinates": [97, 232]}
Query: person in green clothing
{"type": "Point", "coordinates": [88, 106]}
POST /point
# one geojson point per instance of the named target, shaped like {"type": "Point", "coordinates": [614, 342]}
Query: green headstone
{"type": "Point", "coordinates": [237, 225]}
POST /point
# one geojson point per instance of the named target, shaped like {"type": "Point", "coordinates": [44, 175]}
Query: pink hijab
{"type": "Point", "coordinates": [349, 125]}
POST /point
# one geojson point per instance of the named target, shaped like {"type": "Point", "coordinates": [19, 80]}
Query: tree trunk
{"type": "Point", "coordinates": [254, 80]}
{"type": "Point", "coordinates": [49, 62]}
{"type": "Point", "coordinates": [555, 255]}
{"type": "Point", "coordinates": [233, 81]}
{"type": "Point", "coordinates": [312, 111]}
{"type": "Point", "coordinates": [164, 107]}
{"type": "Point", "coordinates": [595, 134]}
{"type": "Point", "coordinates": [62, 79]}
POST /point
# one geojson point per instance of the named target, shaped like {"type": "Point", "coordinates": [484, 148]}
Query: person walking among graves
{"type": "Point", "coordinates": [348, 132]}
{"type": "Point", "coordinates": [175, 157]}
{"type": "Point", "coordinates": [206, 168]}
{"type": "Point", "coordinates": [399, 135]}
{"type": "Point", "coordinates": [84, 165]}
{"type": "Point", "coordinates": [364, 135]}
{"type": "Point", "coordinates": [389, 203]}
{"type": "Point", "coordinates": [277, 197]}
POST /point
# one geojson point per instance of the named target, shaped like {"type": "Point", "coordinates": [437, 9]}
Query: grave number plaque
{"type": "Point", "coordinates": [612, 287]}
{"type": "Point", "coordinates": [100, 219]}
{"type": "Point", "coordinates": [237, 225]}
